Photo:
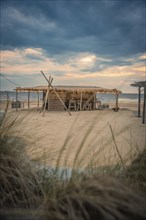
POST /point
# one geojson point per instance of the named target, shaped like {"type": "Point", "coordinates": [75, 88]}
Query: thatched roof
{"type": "Point", "coordinates": [139, 84]}
{"type": "Point", "coordinates": [77, 89]}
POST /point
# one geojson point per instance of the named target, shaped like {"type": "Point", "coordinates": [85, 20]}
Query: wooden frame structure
{"type": "Point", "coordinates": [84, 96]}
{"type": "Point", "coordinates": [141, 88]}
{"type": "Point", "coordinates": [46, 100]}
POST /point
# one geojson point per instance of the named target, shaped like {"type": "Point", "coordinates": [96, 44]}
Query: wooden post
{"type": "Point", "coordinates": [16, 100]}
{"type": "Point", "coordinates": [47, 94]}
{"type": "Point", "coordinates": [81, 101]}
{"type": "Point", "coordinates": [116, 105]}
{"type": "Point", "coordinates": [38, 98]}
{"type": "Point", "coordinates": [44, 95]}
{"type": "Point", "coordinates": [139, 100]}
{"type": "Point", "coordinates": [94, 101]}
{"type": "Point", "coordinates": [144, 106]}
{"type": "Point", "coordinates": [8, 98]}
{"type": "Point", "coordinates": [45, 102]}
{"type": "Point", "coordinates": [28, 99]}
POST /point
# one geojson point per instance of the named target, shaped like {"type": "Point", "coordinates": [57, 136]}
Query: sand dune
{"type": "Point", "coordinates": [84, 138]}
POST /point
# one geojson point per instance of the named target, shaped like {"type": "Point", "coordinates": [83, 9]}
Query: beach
{"type": "Point", "coordinates": [83, 139]}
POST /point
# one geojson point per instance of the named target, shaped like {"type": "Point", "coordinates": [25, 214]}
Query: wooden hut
{"type": "Point", "coordinates": [74, 97]}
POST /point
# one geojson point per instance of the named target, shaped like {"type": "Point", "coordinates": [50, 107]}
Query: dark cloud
{"type": "Point", "coordinates": [113, 28]}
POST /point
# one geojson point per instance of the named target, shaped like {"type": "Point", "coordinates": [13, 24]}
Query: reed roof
{"type": "Point", "coordinates": [77, 89]}
{"type": "Point", "coordinates": [139, 84]}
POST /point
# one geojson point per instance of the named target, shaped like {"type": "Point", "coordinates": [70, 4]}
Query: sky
{"type": "Point", "coordinates": [78, 42]}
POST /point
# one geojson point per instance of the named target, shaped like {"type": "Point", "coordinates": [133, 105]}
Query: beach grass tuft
{"type": "Point", "coordinates": [50, 193]}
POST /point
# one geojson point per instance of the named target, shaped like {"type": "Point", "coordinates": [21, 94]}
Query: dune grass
{"type": "Point", "coordinates": [52, 195]}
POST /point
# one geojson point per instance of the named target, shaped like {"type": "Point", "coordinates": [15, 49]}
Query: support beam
{"type": "Point", "coordinates": [116, 104]}
{"type": "Point", "coordinates": [81, 98]}
{"type": "Point", "coordinates": [38, 99]}
{"type": "Point", "coordinates": [8, 98]}
{"type": "Point", "coordinates": [42, 107]}
{"type": "Point", "coordinates": [139, 100]}
{"type": "Point", "coordinates": [16, 100]}
{"type": "Point", "coordinates": [47, 94]}
{"type": "Point", "coordinates": [29, 99]}
{"type": "Point", "coordinates": [144, 107]}
{"type": "Point", "coordinates": [45, 101]}
{"type": "Point", "coordinates": [94, 101]}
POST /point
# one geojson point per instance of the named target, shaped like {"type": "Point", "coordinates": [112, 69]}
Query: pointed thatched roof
{"type": "Point", "coordinates": [77, 89]}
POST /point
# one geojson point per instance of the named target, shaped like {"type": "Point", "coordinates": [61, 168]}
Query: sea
{"type": "Point", "coordinates": [104, 98]}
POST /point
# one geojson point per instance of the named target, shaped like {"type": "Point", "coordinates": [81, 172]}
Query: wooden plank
{"type": "Point", "coordinates": [55, 104]}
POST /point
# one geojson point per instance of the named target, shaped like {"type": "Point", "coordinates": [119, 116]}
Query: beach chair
{"type": "Point", "coordinates": [16, 104]}
{"type": "Point", "coordinates": [98, 105]}
{"type": "Point", "coordinates": [72, 105]}
{"type": "Point", "coordinates": [78, 103]}
{"type": "Point", "coordinates": [87, 106]}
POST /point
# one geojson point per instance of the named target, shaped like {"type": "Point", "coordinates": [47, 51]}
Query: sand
{"type": "Point", "coordinates": [86, 138]}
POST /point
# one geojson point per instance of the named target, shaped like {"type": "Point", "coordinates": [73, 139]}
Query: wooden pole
{"type": "Point", "coordinates": [8, 98]}
{"type": "Point", "coordinates": [47, 94]}
{"type": "Point", "coordinates": [29, 99]}
{"type": "Point", "coordinates": [46, 98]}
{"type": "Point", "coordinates": [38, 98]}
{"type": "Point", "coordinates": [94, 100]}
{"type": "Point", "coordinates": [116, 106]}
{"type": "Point", "coordinates": [139, 100]}
{"type": "Point", "coordinates": [144, 106]}
{"type": "Point", "coordinates": [50, 85]}
{"type": "Point", "coordinates": [43, 102]}
{"type": "Point", "coordinates": [81, 98]}
{"type": "Point", "coordinates": [16, 100]}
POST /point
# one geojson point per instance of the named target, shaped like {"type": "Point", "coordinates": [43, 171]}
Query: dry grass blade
{"type": "Point", "coordinates": [65, 145]}
{"type": "Point", "coordinates": [115, 144]}
{"type": "Point", "coordinates": [85, 195]}
{"type": "Point", "coordinates": [19, 185]}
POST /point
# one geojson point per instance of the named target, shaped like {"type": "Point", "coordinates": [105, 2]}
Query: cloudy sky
{"type": "Point", "coordinates": [78, 42]}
